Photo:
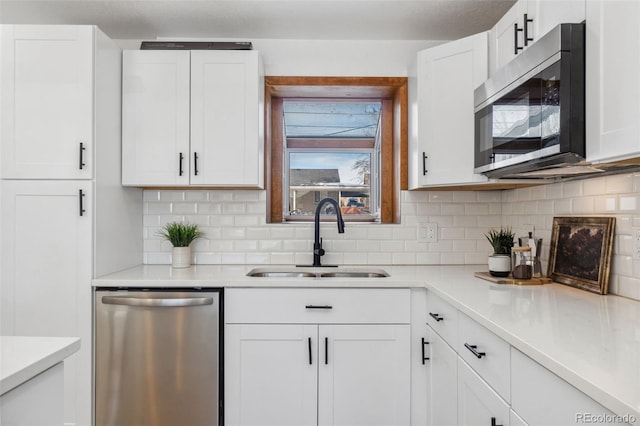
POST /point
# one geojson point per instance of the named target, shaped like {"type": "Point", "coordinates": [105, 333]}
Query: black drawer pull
{"type": "Point", "coordinates": [318, 307]}
{"type": "Point", "coordinates": [516, 30]}
{"type": "Point", "coordinates": [527, 20]}
{"type": "Point", "coordinates": [195, 164]}
{"type": "Point", "coordinates": [474, 350]}
{"type": "Point", "coordinates": [326, 350]}
{"type": "Point", "coordinates": [81, 162]}
{"type": "Point", "coordinates": [424, 164]}
{"type": "Point", "coordinates": [493, 422]}
{"type": "Point", "coordinates": [436, 317]}
{"type": "Point", "coordinates": [424, 358]}
{"type": "Point", "coordinates": [81, 202]}
{"type": "Point", "coordinates": [310, 359]}
{"type": "Point", "coordinates": [181, 159]}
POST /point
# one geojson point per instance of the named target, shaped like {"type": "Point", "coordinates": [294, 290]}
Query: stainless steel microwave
{"type": "Point", "coordinates": [530, 115]}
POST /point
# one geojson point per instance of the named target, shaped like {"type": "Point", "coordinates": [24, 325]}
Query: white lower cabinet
{"type": "Point", "coordinates": [272, 373]}
{"type": "Point", "coordinates": [443, 382]}
{"type": "Point", "coordinates": [478, 403]}
{"type": "Point", "coordinates": [318, 372]}
{"type": "Point", "coordinates": [533, 386]}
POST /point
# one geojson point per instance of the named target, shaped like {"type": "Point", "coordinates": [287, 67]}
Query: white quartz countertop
{"type": "Point", "coordinates": [22, 357]}
{"type": "Point", "coordinates": [591, 341]}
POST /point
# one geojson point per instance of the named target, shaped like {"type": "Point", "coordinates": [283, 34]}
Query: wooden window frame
{"type": "Point", "coordinates": [392, 91]}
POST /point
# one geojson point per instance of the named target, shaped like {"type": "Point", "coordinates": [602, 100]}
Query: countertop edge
{"type": "Point", "coordinates": [52, 351]}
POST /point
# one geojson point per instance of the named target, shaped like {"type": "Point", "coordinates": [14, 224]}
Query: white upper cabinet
{"type": "Point", "coordinates": [612, 82]}
{"type": "Point", "coordinates": [447, 75]}
{"type": "Point", "coordinates": [155, 117]}
{"type": "Point", "coordinates": [47, 75]}
{"type": "Point", "coordinates": [193, 118]}
{"type": "Point", "coordinates": [527, 21]}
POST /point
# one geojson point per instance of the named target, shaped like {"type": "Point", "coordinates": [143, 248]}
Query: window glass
{"type": "Point", "coordinates": [343, 176]}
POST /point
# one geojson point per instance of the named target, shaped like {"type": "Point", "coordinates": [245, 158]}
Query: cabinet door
{"type": "Point", "coordinates": [47, 101]}
{"type": "Point", "coordinates": [155, 117]}
{"type": "Point", "coordinates": [364, 375]}
{"type": "Point", "coordinates": [504, 37]}
{"type": "Point", "coordinates": [46, 272]}
{"type": "Point", "coordinates": [612, 84]}
{"type": "Point", "coordinates": [548, 14]}
{"type": "Point", "coordinates": [478, 404]}
{"type": "Point", "coordinates": [447, 77]}
{"type": "Point", "coordinates": [442, 394]}
{"type": "Point", "coordinates": [271, 374]}
{"type": "Point", "coordinates": [226, 145]}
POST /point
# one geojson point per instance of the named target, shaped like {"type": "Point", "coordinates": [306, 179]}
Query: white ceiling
{"type": "Point", "coordinates": [266, 19]}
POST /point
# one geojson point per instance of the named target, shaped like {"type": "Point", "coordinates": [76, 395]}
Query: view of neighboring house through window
{"type": "Point", "coordinates": [332, 149]}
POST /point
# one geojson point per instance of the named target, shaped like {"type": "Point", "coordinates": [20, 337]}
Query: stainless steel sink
{"type": "Point", "coordinates": [354, 274]}
{"type": "Point", "coordinates": [280, 274]}
{"type": "Point", "coordinates": [286, 272]}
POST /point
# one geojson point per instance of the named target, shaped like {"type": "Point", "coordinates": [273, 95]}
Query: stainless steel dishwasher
{"type": "Point", "coordinates": [157, 357]}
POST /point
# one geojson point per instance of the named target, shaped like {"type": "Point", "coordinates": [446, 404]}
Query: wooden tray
{"type": "Point", "coordinates": [509, 280]}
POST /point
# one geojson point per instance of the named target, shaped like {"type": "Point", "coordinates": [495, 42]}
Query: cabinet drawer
{"type": "Point", "coordinates": [486, 353]}
{"type": "Point", "coordinates": [563, 404]}
{"type": "Point", "coordinates": [317, 306]}
{"type": "Point", "coordinates": [443, 318]}
{"type": "Point", "coordinates": [478, 404]}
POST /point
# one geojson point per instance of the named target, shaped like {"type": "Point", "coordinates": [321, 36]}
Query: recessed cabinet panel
{"type": "Point", "coordinates": [271, 371]}
{"type": "Point", "coordinates": [46, 264]}
{"type": "Point", "coordinates": [155, 117]}
{"type": "Point", "coordinates": [447, 76]}
{"type": "Point", "coordinates": [47, 102]}
{"type": "Point", "coordinates": [443, 382]}
{"type": "Point", "coordinates": [364, 375]}
{"type": "Point", "coordinates": [612, 84]}
{"type": "Point", "coordinates": [478, 404]}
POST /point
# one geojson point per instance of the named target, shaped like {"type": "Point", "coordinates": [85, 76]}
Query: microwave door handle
{"type": "Point", "coordinates": [157, 302]}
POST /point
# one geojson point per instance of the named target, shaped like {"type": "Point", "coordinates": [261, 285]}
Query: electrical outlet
{"type": "Point", "coordinates": [428, 232]}
{"type": "Point", "coordinates": [635, 233]}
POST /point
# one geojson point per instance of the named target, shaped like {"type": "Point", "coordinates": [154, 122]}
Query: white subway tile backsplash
{"type": "Point", "coordinates": [236, 231]}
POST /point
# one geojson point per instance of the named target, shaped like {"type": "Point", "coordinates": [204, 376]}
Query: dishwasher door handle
{"type": "Point", "coordinates": [174, 302]}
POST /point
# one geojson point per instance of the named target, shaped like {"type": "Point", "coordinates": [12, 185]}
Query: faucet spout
{"type": "Point", "coordinates": [318, 251]}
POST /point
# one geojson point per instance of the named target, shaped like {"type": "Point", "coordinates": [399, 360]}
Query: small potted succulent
{"type": "Point", "coordinates": [180, 235]}
{"type": "Point", "coordinates": [500, 261]}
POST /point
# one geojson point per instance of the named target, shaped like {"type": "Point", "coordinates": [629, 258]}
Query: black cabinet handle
{"type": "Point", "coordinates": [526, 37]}
{"type": "Point", "coordinates": [181, 171]}
{"type": "Point", "coordinates": [424, 164]}
{"type": "Point", "coordinates": [195, 163]}
{"type": "Point", "coordinates": [436, 317]}
{"type": "Point", "coordinates": [493, 422]}
{"type": "Point", "coordinates": [318, 307]}
{"type": "Point", "coordinates": [326, 350]}
{"type": "Point", "coordinates": [474, 350]}
{"type": "Point", "coordinates": [81, 202]}
{"type": "Point", "coordinates": [310, 360]}
{"type": "Point", "coordinates": [516, 30]}
{"type": "Point", "coordinates": [81, 162]}
{"type": "Point", "coordinates": [424, 358]}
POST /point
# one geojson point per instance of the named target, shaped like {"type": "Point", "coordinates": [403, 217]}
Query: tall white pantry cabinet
{"type": "Point", "coordinates": [65, 216]}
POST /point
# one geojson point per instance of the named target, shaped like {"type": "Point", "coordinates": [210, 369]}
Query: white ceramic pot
{"type": "Point", "coordinates": [181, 257]}
{"type": "Point", "coordinates": [500, 265]}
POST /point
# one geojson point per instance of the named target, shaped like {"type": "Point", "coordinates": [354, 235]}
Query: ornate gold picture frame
{"type": "Point", "coordinates": [581, 250]}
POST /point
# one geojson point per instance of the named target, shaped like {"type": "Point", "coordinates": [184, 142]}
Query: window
{"type": "Point", "coordinates": [331, 150]}
{"type": "Point", "coordinates": [343, 138]}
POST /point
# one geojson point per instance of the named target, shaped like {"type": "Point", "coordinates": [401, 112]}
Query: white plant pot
{"type": "Point", "coordinates": [500, 265]}
{"type": "Point", "coordinates": [181, 257]}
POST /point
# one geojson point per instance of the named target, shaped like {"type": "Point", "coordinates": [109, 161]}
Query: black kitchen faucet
{"type": "Point", "coordinates": [318, 251]}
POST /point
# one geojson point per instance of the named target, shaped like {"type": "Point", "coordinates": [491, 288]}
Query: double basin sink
{"type": "Point", "coordinates": [308, 272]}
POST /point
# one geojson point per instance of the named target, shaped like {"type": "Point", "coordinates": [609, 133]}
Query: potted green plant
{"type": "Point", "coordinates": [502, 241]}
{"type": "Point", "coordinates": [180, 235]}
